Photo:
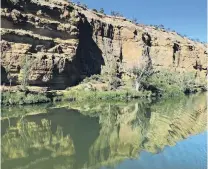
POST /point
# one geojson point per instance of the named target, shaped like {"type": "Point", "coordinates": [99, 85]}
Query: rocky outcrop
{"type": "Point", "coordinates": [63, 43]}
{"type": "Point", "coordinates": [123, 41]}
{"type": "Point", "coordinates": [43, 35]}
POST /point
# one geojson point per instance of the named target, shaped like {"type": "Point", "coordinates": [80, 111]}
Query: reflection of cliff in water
{"type": "Point", "coordinates": [139, 127]}
{"type": "Point", "coordinates": [64, 138]}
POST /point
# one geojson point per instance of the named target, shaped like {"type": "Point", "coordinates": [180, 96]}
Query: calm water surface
{"type": "Point", "coordinates": [167, 134]}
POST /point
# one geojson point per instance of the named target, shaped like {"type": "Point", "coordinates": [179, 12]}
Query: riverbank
{"type": "Point", "coordinates": [160, 84]}
{"type": "Point", "coordinates": [28, 97]}
{"type": "Point", "coordinates": [78, 94]}
{"type": "Point", "coordinates": [17, 95]}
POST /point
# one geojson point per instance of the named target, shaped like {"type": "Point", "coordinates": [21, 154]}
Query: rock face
{"type": "Point", "coordinates": [62, 43]}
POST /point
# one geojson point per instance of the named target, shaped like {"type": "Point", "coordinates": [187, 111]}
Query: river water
{"type": "Point", "coordinates": [141, 134]}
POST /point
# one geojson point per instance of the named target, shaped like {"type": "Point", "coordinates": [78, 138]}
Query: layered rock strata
{"type": "Point", "coordinates": [62, 43]}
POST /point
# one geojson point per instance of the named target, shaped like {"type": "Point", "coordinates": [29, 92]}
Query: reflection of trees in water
{"type": "Point", "coordinates": [26, 137]}
{"type": "Point", "coordinates": [125, 130]}
{"type": "Point", "coordinates": [23, 110]}
{"type": "Point", "coordinates": [60, 124]}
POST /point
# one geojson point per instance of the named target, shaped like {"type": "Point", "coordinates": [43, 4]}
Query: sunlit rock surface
{"type": "Point", "coordinates": [63, 43]}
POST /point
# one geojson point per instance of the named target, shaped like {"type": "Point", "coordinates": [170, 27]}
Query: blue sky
{"type": "Point", "coordinates": [188, 17]}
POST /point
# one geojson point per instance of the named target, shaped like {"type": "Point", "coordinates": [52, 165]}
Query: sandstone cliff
{"type": "Point", "coordinates": [61, 43]}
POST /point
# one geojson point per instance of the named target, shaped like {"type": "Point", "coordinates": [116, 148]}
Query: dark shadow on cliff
{"type": "Point", "coordinates": [4, 79]}
{"type": "Point", "coordinates": [88, 60]}
{"type": "Point", "coordinates": [89, 57]}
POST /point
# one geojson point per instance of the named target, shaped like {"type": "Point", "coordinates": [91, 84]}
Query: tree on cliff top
{"type": "Point", "coordinates": [102, 10]}
{"type": "Point", "coordinates": [117, 14]}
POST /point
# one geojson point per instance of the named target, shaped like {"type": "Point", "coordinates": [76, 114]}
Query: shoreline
{"type": "Point", "coordinates": [75, 94]}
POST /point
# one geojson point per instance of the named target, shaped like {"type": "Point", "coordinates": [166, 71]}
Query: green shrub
{"type": "Point", "coordinates": [116, 14]}
{"type": "Point", "coordinates": [166, 82]}
{"type": "Point", "coordinates": [114, 82]}
{"type": "Point", "coordinates": [80, 95]}
{"type": "Point", "coordinates": [95, 10]}
{"type": "Point", "coordinates": [102, 11]}
{"type": "Point", "coordinates": [173, 83]}
{"type": "Point", "coordinates": [92, 78]}
{"type": "Point", "coordinates": [24, 74]}
{"type": "Point", "coordinates": [18, 97]}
